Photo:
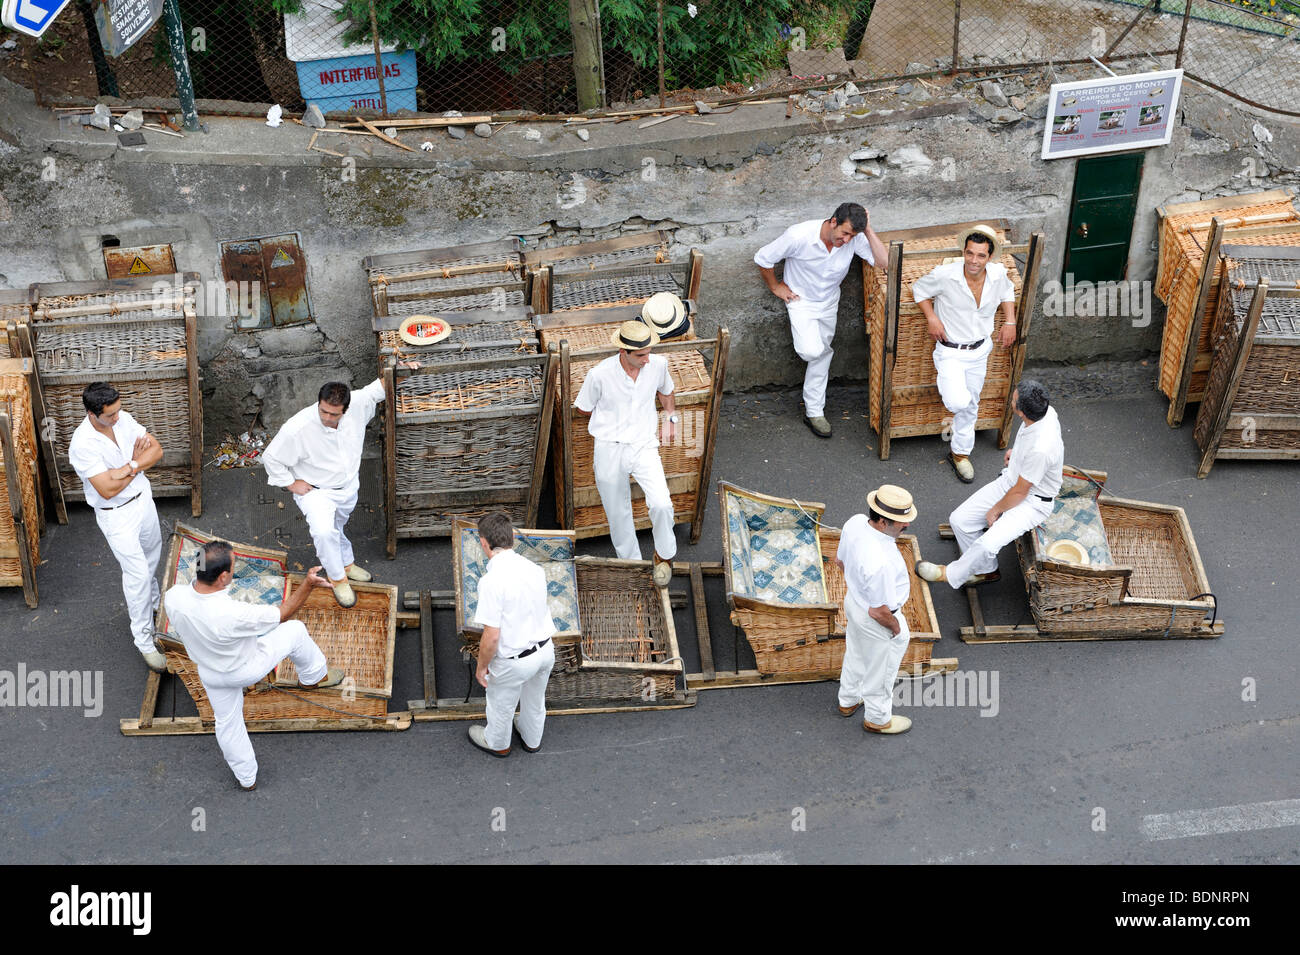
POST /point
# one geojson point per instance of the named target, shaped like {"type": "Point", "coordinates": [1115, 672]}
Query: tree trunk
{"type": "Point", "coordinates": [857, 28]}
{"type": "Point", "coordinates": [584, 21]}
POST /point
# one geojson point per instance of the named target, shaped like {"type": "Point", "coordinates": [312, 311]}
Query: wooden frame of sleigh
{"type": "Point", "coordinates": [1106, 568]}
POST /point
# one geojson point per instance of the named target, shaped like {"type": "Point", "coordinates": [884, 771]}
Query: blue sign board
{"type": "Point", "coordinates": [32, 17]}
{"type": "Point", "coordinates": [346, 83]}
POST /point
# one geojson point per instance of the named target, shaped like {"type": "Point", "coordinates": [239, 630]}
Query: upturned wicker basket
{"type": "Point", "coordinates": [359, 640]}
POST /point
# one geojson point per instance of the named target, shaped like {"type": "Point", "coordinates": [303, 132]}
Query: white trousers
{"type": "Point", "coordinates": [519, 683]}
{"type": "Point", "coordinates": [327, 512]}
{"type": "Point", "coordinates": [871, 658]}
{"type": "Point", "coordinates": [226, 690]}
{"type": "Point", "coordinates": [960, 378]}
{"type": "Point", "coordinates": [135, 538]}
{"type": "Point", "coordinates": [613, 463]}
{"type": "Point", "coordinates": [980, 543]}
{"type": "Point", "coordinates": [812, 326]}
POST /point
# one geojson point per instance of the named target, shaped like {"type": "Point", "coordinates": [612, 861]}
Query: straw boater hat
{"type": "Point", "coordinates": [665, 313]}
{"type": "Point", "coordinates": [634, 336]}
{"type": "Point", "coordinates": [893, 502]}
{"type": "Point", "coordinates": [993, 237]}
{"type": "Point", "coordinates": [1068, 550]}
{"type": "Point", "coordinates": [423, 330]}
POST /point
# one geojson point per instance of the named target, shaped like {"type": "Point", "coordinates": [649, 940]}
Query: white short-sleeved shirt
{"type": "Point", "coordinates": [954, 302]}
{"type": "Point", "coordinates": [321, 456]}
{"type": "Point", "coordinates": [512, 597]}
{"type": "Point", "coordinates": [812, 271]}
{"type": "Point", "coordinates": [91, 453]}
{"type": "Point", "coordinates": [1039, 454]}
{"type": "Point", "coordinates": [622, 409]}
{"type": "Point", "coordinates": [875, 574]}
{"type": "Point", "coordinates": [219, 632]}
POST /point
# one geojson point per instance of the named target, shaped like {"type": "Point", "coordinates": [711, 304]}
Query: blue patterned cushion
{"type": "Point", "coordinates": [553, 554]}
{"type": "Point", "coordinates": [1076, 517]}
{"type": "Point", "coordinates": [257, 580]}
{"type": "Point", "coordinates": [774, 552]}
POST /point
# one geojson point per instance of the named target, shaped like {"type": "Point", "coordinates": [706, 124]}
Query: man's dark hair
{"type": "Point", "coordinates": [979, 238]}
{"type": "Point", "coordinates": [851, 213]}
{"type": "Point", "coordinates": [335, 393]}
{"type": "Point", "coordinates": [97, 396]}
{"type": "Point", "coordinates": [1031, 399]}
{"type": "Point", "coordinates": [875, 517]}
{"type": "Point", "coordinates": [497, 530]}
{"type": "Point", "coordinates": [215, 559]}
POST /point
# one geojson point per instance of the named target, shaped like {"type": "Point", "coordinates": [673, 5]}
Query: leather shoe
{"type": "Point", "coordinates": [479, 739]}
{"type": "Point", "coordinates": [934, 573]}
{"type": "Point", "coordinates": [895, 726]}
{"type": "Point", "coordinates": [359, 574]}
{"type": "Point", "coordinates": [333, 677]}
{"type": "Point", "coordinates": [819, 425]}
{"type": "Point", "coordinates": [961, 464]}
{"type": "Point", "coordinates": [344, 595]}
{"type": "Point", "coordinates": [527, 748]}
{"type": "Point", "coordinates": [847, 711]}
{"type": "Point", "coordinates": [976, 579]}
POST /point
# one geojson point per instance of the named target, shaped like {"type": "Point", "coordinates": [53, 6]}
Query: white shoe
{"type": "Point", "coordinates": [359, 574]}
{"type": "Point", "coordinates": [344, 594]}
{"type": "Point", "coordinates": [155, 661]}
{"type": "Point", "coordinates": [934, 573]}
{"type": "Point", "coordinates": [895, 726]}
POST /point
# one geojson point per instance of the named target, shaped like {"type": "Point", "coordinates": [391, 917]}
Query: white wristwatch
{"type": "Point", "coordinates": [674, 418]}
{"type": "Point", "coordinates": [135, 465]}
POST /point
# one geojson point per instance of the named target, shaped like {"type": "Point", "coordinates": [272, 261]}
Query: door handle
{"type": "Point", "coordinates": [1083, 229]}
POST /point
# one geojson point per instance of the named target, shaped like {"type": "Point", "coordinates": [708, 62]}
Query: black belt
{"type": "Point", "coordinates": [1047, 499]}
{"type": "Point", "coordinates": [531, 650]}
{"type": "Point", "coordinates": [966, 347]}
{"type": "Point", "coordinates": [123, 504]}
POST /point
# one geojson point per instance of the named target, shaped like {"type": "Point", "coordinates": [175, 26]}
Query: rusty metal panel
{"type": "Point", "coordinates": [285, 268]}
{"type": "Point", "coordinates": [241, 263]}
{"type": "Point", "coordinates": [121, 263]}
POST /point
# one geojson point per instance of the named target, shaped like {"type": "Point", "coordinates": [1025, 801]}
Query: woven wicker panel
{"type": "Point", "coordinates": [615, 290]}
{"type": "Point", "coordinates": [1181, 255]}
{"type": "Point", "coordinates": [456, 303]}
{"type": "Point", "coordinates": [553, 554]}
{"type": "Point", "coordinates": [15, 401]}
{"type": "Point", "coordinates": [111, 347]}
{"type": "Point", "coordinates": [437, 521]}
{"type": "Point", "coordinates": [355, 640]}
{"type": "Point", "coordinates": [623, 621]}
{"type": "Point", "coordinates": [479, 453]}
{"type": "Point", "coordinates": [4, 344]}
{"type": "Point", "coordinates": [651, 250]}
{"type": "Point", "coordinates": [594, 516]}
{"type": "Point", "coordinates": [514, 386]}
{"type": "Point", "coordinates": [916, 400]}
{"type": "Point", "coordinates": [470, 337]}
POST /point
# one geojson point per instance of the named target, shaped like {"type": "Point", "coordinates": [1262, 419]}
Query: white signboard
{"type": "Point", "coordinates": [32, 17]}
{"type": "Point", "coordinates": [1111, 114]}
{"type": "Point", "coordinates": [315, 34]}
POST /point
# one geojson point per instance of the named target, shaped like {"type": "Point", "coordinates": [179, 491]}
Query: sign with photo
{"type": "Point", "coordinates": [1111, 114]}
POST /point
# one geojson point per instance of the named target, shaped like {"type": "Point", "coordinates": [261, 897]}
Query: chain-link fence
{"type": "Point", "coordinates": [547, 57]}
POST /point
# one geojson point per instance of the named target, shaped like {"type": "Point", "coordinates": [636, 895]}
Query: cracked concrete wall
{"type": "Point", "coordinates": [725, 193]}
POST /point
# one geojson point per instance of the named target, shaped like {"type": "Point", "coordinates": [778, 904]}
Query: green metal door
{"type": "Point", "coordinates": [1101, 217]}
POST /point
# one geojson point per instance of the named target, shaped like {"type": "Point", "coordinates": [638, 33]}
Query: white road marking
{"type": "Point", "coordinates": [753, 858]}
{"type": "Point", "coordinates": [1206, 822]}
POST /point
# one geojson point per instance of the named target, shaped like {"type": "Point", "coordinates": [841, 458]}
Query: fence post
{"type": "Point", "coordinates": [584, 22]}
{"type": "Point", "coordinates": [1182, 36]}
{"type": "Point", "coordinates": [956, 33]}
{"type": "Point", "coordinates": [379, 60]}
{"type": "Point", "coordinates": [105, 78]}
{"type": "Point", "coordinates": [661, 53]}
{"type": "Point", "coordinates": [180, 65]}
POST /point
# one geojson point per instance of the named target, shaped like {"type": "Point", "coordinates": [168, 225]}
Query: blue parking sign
{"type": "Point", "coordinates": [32, 17]}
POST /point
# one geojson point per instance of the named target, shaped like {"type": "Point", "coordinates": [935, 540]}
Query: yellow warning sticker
{"type": "Point", "coordinates": [138, 267]}
{"type": "Point", "coordinates": [280, 259]}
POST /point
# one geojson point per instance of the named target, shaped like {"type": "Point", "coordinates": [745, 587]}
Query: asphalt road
{"type": "Point", "coordinates": [1091, 748]}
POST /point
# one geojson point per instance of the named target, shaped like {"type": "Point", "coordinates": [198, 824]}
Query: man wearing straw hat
{"type": "Point", "coordinates": [1018, 501]}
{"type": "Point", "coordinates": [959, 300]}
{"type": "Point", "coordinates": [619, 394]}
{"type": "Point", "coordinates": [515, 654]}
{"type": "Point", "coordinates": [876, 587]}
{"type": "Point", "coordinates": [235, 644]}
{"type": "Point", "coordinates": [817, 255]}
{"type": "Point", "coordinates": [110, 451]}
{"type": "Point", "coordinates": [316, 456]}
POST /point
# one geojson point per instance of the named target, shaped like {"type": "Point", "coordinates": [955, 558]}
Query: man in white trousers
{"type": "Point", "coordinates": [1018, 501]}
{"type": "Point", "coordinates": [817, 255]}
{"type": "Point", "coordinates": [316, 456]}
{"type": "Point", "coordinates": [110, 451]}
{"type": "Point", "coordinates": [619, 394]}
{"type": "Point", "coordinates": [235, 644]}
{"type": "Point", "coordinates": [876, 587]}
{"type": "Point", "coordinates": [515, 654]}
{"type": "Point", "coordinates": [958, 301]}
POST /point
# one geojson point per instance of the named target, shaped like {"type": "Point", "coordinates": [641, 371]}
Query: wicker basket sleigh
{"type": "Point", "coordinates": [359, 640]}
{"type": "Point", "coordinates": [21, 515]}
{"type": "Point", "coordinates": [139, 335]}
{"type": "Point", "coordinates": [616, 644]}
{"type": "Point", "coordinates": [1252, 398]}
{"type": "Point", "coordinates": [1143, 578]}
{"type": "Point", "coordinates": [564, 288]}
{"type": "Point", "coordinates": [786, 592]}
{"type": "Point", "coordinates": [581, 338]}
{"type": "Point", "coordinates": [1187, 279]}
{"type": "Point", "coordinates": [903, 397]}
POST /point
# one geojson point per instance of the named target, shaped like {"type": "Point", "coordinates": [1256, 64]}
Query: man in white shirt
{"type": "Point", "coordinates": [958, 301]}
{"type": "Point", "coordinates": [515, 654]}
{"type": "Point", "coordinates": [619, 394]}
{"type": "Point", "coordinates": [876, 587]}
{"type": "Point", "coordinates": [316, 456]}
{"type": "Point", "coordinates": [110, 451]}
{"type": "Point", "coordinates": [817, 256]}
{"type": "Point", "coordinates": [1018, 501]}
{"type": "Point", "coordinates": [235, 644]}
